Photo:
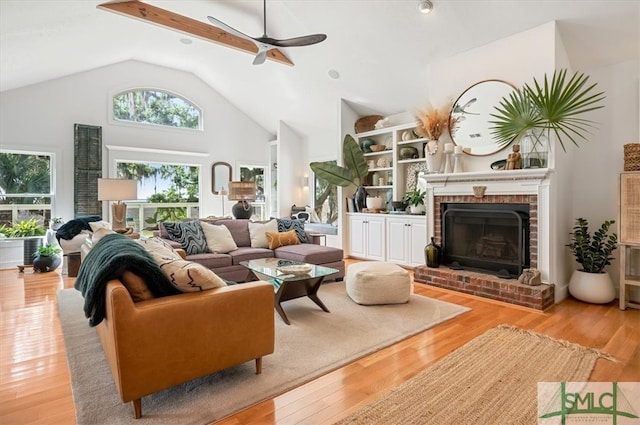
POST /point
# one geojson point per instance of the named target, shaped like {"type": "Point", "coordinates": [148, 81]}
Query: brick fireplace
{"type": "Point", "coordinates": [501, 188]}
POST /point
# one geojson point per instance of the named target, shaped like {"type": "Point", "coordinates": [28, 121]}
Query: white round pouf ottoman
{"type": "Point", "coordinates": [377, 282]}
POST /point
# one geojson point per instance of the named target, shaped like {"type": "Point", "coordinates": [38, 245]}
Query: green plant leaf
{"type": "Point", "coordinates": [354, 160]}
{"type": "Point", "coordinates": [332, 173]}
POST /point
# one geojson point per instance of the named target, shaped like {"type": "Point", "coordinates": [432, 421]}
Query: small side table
{"type": "Point", "coordinates": [317, 236]}
{"type": "Point", "coordinates": [625, 277]}
{"type": "Point", "coordinates": [73, 263]}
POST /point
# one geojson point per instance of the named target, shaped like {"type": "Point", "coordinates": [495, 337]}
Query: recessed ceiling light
{"type": "Point", "coordinates": [333, 74]}
{"type": "Point", "coordinates": [186, 41]}
{"type": "Point", "coordinates": [425, 6]}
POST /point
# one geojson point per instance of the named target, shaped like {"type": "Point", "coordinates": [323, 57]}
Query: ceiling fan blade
{"type": "Point", "coordinates": [148, 13]}
{"type": "Point", "coordinates": [305, 40]}
{"type": "Point", "coordinates": [218, 23]}
{"type": "Point", "coordinates": [260, 57]}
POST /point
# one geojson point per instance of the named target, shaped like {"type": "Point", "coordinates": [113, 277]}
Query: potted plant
{"type": "Point", "coordinates": [55, 223]}
{"type": "Point", "coordinates": [30, 230]}
{"type": "Point", "coordinates": [415, 199]}
{"type": "Point", "coordinates": [534, 112]}
{"type": "Point", "coordinates": [353, 173]}
{"type": "Point", "coordinates": [591, 283]}
{"type": "Point", "coordinates": [47, 258]}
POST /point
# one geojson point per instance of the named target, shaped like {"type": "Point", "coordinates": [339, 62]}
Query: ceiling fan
{"type": "Point", "coordinates": [223, 34]}
{"type": "Point", "coordinates": [266, 43]}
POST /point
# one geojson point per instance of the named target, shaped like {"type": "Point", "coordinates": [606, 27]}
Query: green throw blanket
{"type": "Point", "coordinates": [107, 260]}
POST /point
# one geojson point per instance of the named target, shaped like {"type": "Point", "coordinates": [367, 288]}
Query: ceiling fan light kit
{"type": "Point", "coordinates": [263, 47]}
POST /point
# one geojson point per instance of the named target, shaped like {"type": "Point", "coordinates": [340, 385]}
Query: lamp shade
{"type": "Point", "coordinates": [117, 189]}
{"type": "Point", "coordinates": [242, 191]}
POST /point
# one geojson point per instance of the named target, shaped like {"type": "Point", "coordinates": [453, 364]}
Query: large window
{"type": "Point", "coordinates": [326, 199]}
{"type": "Point", "coordinates": [156, 107]}
{"type": "Point", "coordinates": [25, 187]}
{"type": "Point", "coordinates": [166, 192]}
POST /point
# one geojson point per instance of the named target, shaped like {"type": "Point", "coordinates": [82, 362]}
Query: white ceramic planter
{"type": "Point", "coordinates": [416, 209]}
{"type": "Point", "coordinates": [594, 288]}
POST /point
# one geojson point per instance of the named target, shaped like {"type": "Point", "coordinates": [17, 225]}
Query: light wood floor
{"type": "Point", "coordinates": [35, 385]}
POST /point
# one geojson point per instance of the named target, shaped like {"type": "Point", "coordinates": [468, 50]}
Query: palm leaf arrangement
{"type": "Point", "coordinates": [593, 253]}
{"type": "Point", "coordinates": [553, 106]}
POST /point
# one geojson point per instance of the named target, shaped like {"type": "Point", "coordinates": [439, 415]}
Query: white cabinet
{"type": "Point", "coordinates": [406, 239]}
{"type": "Point", "coordinates": [367, 236]}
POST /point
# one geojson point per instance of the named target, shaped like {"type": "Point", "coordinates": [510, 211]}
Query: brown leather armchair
{"type": "Point", "coordinates": [156, 344]}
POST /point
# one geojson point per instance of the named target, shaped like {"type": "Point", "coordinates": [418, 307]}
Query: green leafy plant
{"type": "Point", "coordinates": [355, 167]}
{"type": "Point", "coordinates": [48, 251]}
{"type": "Point", "coordinates": [551, 107]}
{"type": "Point", "coordinates": [592, 252]}
{"type": "Point", "coordinates": [415, 197]}
{"type": "Point", "coordinates": [24, 228]}
{"type": "Point", "coordinates": [56, 220]}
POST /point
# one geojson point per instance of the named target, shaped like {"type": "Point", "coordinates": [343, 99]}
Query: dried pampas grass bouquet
{"type": "Point", "coordinates": [432, 122]}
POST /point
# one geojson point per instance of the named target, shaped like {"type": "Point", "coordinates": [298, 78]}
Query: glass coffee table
{"type": "Point", "coordinates": [290, 280]}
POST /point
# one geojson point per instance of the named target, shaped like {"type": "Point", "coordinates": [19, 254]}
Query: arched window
{"type": "Point", "coordinates": [156, 107]}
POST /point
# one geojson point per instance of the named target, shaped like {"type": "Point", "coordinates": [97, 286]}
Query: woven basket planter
{"type": "Point", "coordinates": [632, 157]}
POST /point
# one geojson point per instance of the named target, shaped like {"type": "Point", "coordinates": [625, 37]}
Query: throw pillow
{"type": "Point", "coordinates": [187, 276]}
{"type": "Point", "coordinates": [258, 233]}
{"type": "Point", "coordinates": [99, 233]}
{"type": "Point", "coordinates": [136, 286]}
{"type": "Point", "coordinates": [218, 237]}
{"type": "Point", "coordinates": [95, 225]}
{"type": "Point", "coordinates": [159, 246]}
{"type": "Point", "coordinates": [190, 236]}
{"type": "Point", "coordinates": [284, 224]}
{"type": "Point", "coordinates": [278, 239]}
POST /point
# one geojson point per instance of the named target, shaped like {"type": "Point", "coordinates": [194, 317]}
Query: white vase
{"type": "Point", "coordinates": [434, 153]}
{"type": "Point", "coordinates": [416, 209]}
{"type": "Point", "coordinates": [596, 288]}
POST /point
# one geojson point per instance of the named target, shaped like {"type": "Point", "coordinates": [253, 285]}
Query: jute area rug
{"type": "Point", "coordinates": [490, 380]}
{"type": "Point", "coordinates": [314, 344]}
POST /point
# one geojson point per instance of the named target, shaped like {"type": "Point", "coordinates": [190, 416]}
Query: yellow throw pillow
{"type": "Point", "coordinates": [187, 276]}
{"type": "Point", "coordinates": [278, 239]}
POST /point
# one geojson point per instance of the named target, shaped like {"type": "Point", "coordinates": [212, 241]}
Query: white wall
{"type": "Point", "coordinates": [41, 117]}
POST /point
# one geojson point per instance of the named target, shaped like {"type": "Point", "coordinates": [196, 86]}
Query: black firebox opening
{"type": "Point", "coordinates": [492, 238]}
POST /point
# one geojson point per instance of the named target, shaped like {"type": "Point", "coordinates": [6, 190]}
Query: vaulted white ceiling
{"type": "Point", "coordinates": [381, 49]}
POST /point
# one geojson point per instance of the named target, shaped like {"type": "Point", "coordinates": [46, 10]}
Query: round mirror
{"type": "Point", "coordinates": [471, 112]}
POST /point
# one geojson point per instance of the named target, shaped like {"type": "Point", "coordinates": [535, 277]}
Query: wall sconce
{"type": "Point", "coordinates": [305, 182]}
{"type": "Point", "coordinates": [117, 190]}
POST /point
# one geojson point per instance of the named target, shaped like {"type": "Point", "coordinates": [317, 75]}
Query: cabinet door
{"type": "Point", "coordinates": [357, 237]}
{"type": "Point", "coordinates": [376, 242]}
{"type": "Point", "coordinates": [397, 232]}
{"type": "Point", "coordinates": [629, 221]}
{"type": "Point", "coordinates": [417, 241]}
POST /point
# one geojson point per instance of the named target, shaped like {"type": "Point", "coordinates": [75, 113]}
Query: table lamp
{"type": "Point", "coordinates": [116, 190]}
{"type": "Point", "coordinates": [242, 192]}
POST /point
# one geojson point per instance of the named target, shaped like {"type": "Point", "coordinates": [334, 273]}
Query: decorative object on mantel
{"type": "Point", "coordinates": [367, 123]}
{"type": "Point", "coordinates": [514, 159]}
{"type": "Point", "coordinates": [499, 164]}
{"type": "Point", "coordinates": [478, 191]}
{"type": "Point", "coordinates": [434, 152]}
{"type": "Point", "coordinates": [552, 107]}
{"type": "Point", "coordinates": [433, 254]}
{"type": "Point", "coordinates": [354, 172]}
{"type": "Point", "coordinates": [592, 284]}
{"type": "Point", "coordinates": [457, 159]}
{"type": "Point", "coordinates": [431, 124]}
{"type": "Point", "coordinates": [530, 277]}
{"type": "Point", "coordinates": [632, 157]}
{"type": "Point", "coordinates": [448, 162]}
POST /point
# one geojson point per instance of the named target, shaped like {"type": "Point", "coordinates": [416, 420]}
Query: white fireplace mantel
{"type": "Point", "coordinates": [535, 181]}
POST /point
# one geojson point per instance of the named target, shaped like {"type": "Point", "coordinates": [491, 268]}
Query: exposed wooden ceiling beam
{"type": "Point", "coordinates": [155, 15]}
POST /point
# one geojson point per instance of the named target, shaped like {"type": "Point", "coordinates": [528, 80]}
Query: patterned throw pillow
{"type": "Point", "coordinates": [159, 246]}
{"type": "Point", "coordinates": [278, 239]}
{"type": "Point", "coordinates": [258, 233]}
{"type": "Point", "coordinates": [187, 276]}
{"type": "Point", "coordinates": [285, 224]}
{"type": "Point", "coordinates": [190, 236]}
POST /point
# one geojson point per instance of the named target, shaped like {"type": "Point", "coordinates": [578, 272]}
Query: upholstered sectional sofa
{"type": "Point", "coordinates": [249, 238]}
